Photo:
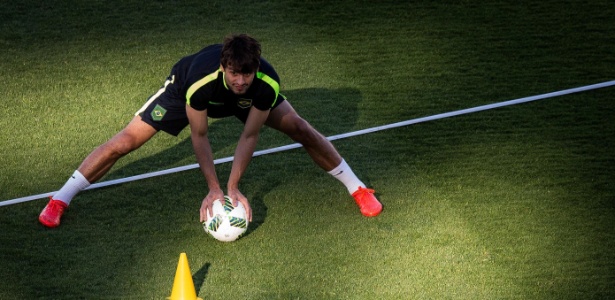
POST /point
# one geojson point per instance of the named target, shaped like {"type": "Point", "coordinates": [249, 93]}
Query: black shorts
{"type": "Point", "coordinates": [167, 112]}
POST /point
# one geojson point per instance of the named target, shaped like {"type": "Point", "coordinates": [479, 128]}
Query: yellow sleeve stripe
{"type": "Point", "coordinates": [274, 84]}
{"type": "Point", "coordinates": [200, 83]}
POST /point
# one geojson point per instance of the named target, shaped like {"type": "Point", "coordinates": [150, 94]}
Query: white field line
{"type": "Point", "coordinates": [334, 137]}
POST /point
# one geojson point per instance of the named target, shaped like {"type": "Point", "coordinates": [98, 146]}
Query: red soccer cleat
{"type": "Point", "coordinates": [367, 202]}
{"type": "Point", "coordinates": [51, 214]}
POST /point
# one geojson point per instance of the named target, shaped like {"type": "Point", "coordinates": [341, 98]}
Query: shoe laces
{"type": "Point", "coordinates": [56, 205]}
{"type": "Point", "coordinates": [362, 191]}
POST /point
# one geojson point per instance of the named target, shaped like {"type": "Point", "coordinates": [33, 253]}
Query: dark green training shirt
{"type": "Point", "coordinates": [200, 81]}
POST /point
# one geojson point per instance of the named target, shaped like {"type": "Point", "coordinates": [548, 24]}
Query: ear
{"type": "Point", "coordinates": [222, 67]}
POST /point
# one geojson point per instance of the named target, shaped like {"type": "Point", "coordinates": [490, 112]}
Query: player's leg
{"type": "Point", "coordinates": [160, 112]}
{"type": "Point", "coordinates": [95, 165]}
{"type": "Point", "coordinates": [285, 119]}
{"type": "Point", "coordinates": [100, 161]}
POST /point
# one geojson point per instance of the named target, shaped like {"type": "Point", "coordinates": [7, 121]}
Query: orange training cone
{"type": "Point", "coordinates": [183, 286]}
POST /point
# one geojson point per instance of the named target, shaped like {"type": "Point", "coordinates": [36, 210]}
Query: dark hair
{"type": "Point", "coordinates": [241, 52]}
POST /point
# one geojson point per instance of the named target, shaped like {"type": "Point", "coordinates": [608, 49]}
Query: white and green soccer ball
{"type": "Point", "coordinates": [228, 222]}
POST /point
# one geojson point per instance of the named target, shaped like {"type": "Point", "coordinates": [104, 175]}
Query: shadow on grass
{"type": "Point", "coordinates": [199, 277]}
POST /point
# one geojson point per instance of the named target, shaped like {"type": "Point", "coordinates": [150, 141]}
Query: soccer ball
{"type": "Point", "coordinates": [228, 222]}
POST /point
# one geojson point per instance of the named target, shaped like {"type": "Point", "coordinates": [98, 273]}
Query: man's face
{"type": "Point", "coordinates": [237, 82]}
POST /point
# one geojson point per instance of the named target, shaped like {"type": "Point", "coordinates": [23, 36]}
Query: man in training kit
{"type": "Point", "coordinates": [222, 80]}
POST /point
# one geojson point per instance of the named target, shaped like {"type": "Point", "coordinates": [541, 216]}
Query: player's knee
{"type": "Point", "coordinates": [120, 145]}
{"type": "Point", "coordinates": [303, 132]}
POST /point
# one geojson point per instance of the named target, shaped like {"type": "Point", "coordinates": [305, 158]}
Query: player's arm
{"type": "Point", "coordinates": [204, 156]}
{"type": "Point", "coordinates": [243, 154]}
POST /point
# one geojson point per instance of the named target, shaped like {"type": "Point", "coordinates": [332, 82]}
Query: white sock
{"type": "Point", "coordinates": [344, 174]}
{"type": "Point", "coordinates": [73, 185]}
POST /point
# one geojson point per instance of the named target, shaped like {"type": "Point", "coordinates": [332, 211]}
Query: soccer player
{"type": "Point", "coordinates": [222, 80]}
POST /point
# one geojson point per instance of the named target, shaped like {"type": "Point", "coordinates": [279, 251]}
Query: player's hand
{"type": "Point", "coordinates": [208, 203]}
{"type": "Point", "coordinates": [237, 196]}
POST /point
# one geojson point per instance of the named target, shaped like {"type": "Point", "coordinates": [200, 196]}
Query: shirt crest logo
{"type": "Point", "coordinates": [244, 103]}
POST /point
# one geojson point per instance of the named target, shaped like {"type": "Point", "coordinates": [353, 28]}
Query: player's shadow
{"type": "Point", "coordinates": [330, 111]}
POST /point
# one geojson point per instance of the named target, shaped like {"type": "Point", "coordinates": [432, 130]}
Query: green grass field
{"type": "Point", "coordinates": [511, 203]}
